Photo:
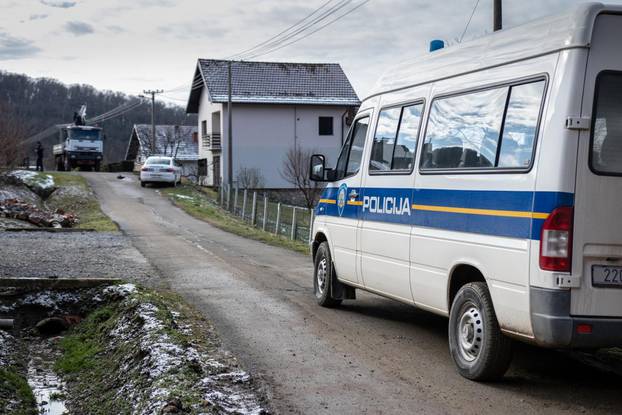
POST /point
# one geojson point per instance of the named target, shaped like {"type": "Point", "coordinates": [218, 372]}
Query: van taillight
{"type": "Point", "coordinates": [556, 241]}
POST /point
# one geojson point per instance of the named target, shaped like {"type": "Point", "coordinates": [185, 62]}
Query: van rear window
{"type": "Point", "coordinates": [606, 151]}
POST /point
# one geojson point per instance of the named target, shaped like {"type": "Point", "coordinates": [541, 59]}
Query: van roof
{"type": "Point", "coordinates": [540, 37]}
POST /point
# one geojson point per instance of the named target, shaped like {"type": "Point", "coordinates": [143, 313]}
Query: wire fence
{"type": "Point", "coordinates": [256, 209]}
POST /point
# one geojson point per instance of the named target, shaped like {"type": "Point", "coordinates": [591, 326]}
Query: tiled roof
{"type": "Point", "coordinates": [274, 83]}
{"type": "Point", "coordinates": [171, 140]}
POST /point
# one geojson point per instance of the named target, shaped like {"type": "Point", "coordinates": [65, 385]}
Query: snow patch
{"type": "Point", "coordinates": [120, 291]}
{"type": "Point", "coordinates": [182, 196]}
{"type": "Point", "coordinates": [54, 300]}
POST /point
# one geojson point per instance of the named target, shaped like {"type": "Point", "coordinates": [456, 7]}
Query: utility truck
{"type": "Point", "coordinates": [79, 145]}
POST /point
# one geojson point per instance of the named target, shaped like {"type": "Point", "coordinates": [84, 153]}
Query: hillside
{"type": "Point", "coordinates": [41, 102]}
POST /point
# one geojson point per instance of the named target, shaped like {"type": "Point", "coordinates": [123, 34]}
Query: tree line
{"type": "Point", "coordinates": [30, 105]}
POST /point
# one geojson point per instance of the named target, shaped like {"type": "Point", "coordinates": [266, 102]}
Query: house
{"type": "Point", "coordinates": [275, 107]}
{"type": "Point", "coordinates": [178, 141]}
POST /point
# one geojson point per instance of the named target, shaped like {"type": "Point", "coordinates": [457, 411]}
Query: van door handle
{"type": "Point", "coordinates": [353, 194]}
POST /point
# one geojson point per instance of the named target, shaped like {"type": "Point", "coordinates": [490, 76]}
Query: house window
{"type": "Point", "coordinates": [203, 128]}
{"type": "Point", "coordinates": [326, 125]}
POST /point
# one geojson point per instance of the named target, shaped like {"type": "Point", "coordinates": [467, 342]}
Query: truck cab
{"type": "Point", "coordinates": [79, 146]}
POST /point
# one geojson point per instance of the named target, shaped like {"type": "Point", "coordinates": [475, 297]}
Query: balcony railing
{"type": "Point", "coordinates": [212, 141]}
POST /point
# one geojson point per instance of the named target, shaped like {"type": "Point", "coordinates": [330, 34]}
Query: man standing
{"type": "Point", "coordinates": [39, 151]}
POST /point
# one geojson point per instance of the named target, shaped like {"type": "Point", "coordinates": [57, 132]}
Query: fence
{"type": "Point", "coordinates": [293, 222]}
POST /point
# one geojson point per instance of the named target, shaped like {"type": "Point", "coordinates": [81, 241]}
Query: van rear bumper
{"type": "Point", "coordinates": [553, 326]}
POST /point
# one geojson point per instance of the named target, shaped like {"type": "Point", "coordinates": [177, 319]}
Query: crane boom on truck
{"type": "Point", "coordinates": [79, 145]}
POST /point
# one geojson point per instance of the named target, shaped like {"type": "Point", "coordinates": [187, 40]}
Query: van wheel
{"type": "Point", "coordinates": [142, 184]}
{"type": "Point", "coordinates": [323, 277]}
{"type": "Point", "coordinates": [479, 349]}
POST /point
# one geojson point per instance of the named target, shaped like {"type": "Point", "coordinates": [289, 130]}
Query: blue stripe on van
{"type": "Point", "coordinates": [500, 213]}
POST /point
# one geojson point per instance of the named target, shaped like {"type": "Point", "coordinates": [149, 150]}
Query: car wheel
{"type": "Point", "coordinates": [142, 184]}
{"type": "Point", "coordinates": [477, 345]}
{"type": "Point", "coordinates": [323, 277]}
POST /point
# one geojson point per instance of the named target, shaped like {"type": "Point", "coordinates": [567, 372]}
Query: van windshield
{"type": "Point", "coordinates": [606, 151]}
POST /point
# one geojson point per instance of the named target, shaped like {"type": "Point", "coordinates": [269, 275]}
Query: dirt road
{"type": "Point", "coordinates": [371, 356]}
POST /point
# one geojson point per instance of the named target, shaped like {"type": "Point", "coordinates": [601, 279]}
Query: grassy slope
{"type": "Point", "coordinates": [15, 385]}
{"type": "Point", "coordinates": [86, 208]}
{"type": "Point", "coordinates": [201, 206]}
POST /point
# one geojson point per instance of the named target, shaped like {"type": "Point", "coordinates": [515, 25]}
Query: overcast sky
{"type": "Point", "coordinates": [131, 45]}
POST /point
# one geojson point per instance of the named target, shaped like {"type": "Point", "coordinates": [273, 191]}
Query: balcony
{"type": "Point", "coordinates": [211, 141]}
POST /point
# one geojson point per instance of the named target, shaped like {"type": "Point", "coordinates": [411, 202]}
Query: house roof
{"type": "Point", "coordinates": [272, 83]}
{"type": "Point", "coordinates": [171, 140]}
{"type": "Point", "coordinates": [570, 30]}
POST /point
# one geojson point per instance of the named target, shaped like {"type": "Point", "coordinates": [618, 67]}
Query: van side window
{"type": "Point", "coordinates": [606, 146]}
{"type": "Point", "coordinates": [520, 127]}
{"type": "Point", "coordinates": [494, 128]}
{"type": "Point", "coordinates": [396, 139]}
{"type": "Point", "coordinates": [384, 140]}
{"type": "Point", "coordinates": [349, 160]}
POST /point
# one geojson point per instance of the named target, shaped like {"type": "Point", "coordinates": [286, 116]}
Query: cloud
{"type": "Point", "coordinates": [16, 48]}
{"type": "Point", "coordinates": [116, 29]}
{"type": "Point", "coordinates": [79, 28]}
{"type": "Point", "coordinates": [193, 29]}
{"type": "Point", "coordinates": [58, 3]}
{"type": "Point", "coordinates": [37, 16]}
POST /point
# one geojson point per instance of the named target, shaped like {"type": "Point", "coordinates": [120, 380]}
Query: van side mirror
{"type": "Point", "coordinates": [317, 168]}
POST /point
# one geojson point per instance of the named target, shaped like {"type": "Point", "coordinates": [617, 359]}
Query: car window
{"type": "Point", "coordinates": [606, 146]}
{"type": "Point", "coordinates": [384, 139]}
{"type": "Point", "coordinates": [158, 160]}
{"type": "Point", "coordinates": [352, 151]}
{"type": "Point", "coordinates": [358, 143]}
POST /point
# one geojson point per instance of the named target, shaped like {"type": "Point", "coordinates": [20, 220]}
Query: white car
{"type": "Point", "coordinates": [160, 169]}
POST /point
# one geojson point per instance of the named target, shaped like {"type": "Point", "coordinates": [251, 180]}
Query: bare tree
{"type": "Point", "coordinates": [172, 141]}
{"type": "Point", "coordinates": [12, 133]}
{"type": "Point", "coordinates": [250, 178]}
{"type": "Point", "coordinates": [296, 172]}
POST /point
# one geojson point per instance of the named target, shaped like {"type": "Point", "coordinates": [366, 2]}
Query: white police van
{"type": "Point", "coordinates": [482, 182]}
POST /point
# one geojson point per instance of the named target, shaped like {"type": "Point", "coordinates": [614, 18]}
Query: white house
{"type": "Point", "coordinates": [275, 106]}
{"type": "Point", "coordinates": [178, 141]}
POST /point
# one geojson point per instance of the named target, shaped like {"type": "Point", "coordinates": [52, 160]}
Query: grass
{"type": "Point", "coordinates": [17, 386]}
{"type": "Point", "coordinates": [200, 204]}
{"type": "Point", "coordinates": [82, 202]}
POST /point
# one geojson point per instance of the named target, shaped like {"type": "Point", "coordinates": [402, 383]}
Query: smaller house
{"type": "Point", "coordinates": [178, 141]}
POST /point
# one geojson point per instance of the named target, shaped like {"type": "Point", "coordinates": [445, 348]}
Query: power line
{"type": "Point", "coordinates": [312, 32]}
{"type": "Point", "coordinates": [280, 33]}
{"type": "Point", "coordinates": [469, 22]}
{"type": "Point", "coordinates": [276, 45]}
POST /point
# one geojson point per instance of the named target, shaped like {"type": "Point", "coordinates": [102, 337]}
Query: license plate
{"type": "Point", "coordinates": [603, 276]}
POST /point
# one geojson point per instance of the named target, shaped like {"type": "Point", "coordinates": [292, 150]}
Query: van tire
{"type": "Point", "coordinates": [480, 358]}
{"type": "Point", "coordinates": [143, 184]}
{"type": "Point", "coordinates": [323, 275]}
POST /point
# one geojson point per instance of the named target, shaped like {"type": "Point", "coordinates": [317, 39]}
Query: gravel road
{"type": "Point", "coordinates": [71, 255]}
{"type": "Point", "coordinates": [370, 356]}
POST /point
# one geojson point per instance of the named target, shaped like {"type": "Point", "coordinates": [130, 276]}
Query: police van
{"type": "Point", "coordinates": [483, 182]}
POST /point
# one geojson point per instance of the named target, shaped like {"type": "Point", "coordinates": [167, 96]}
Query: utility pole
{"type": "Point", "coordinates": [229, 128]}
{"type": "Point", "coordinates": [153, 134]}
{"type": "Point", "coordinates": [497, 15]}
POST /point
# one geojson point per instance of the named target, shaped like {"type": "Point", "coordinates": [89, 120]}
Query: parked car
{"type": "Point", "coordinates": [160, 169]}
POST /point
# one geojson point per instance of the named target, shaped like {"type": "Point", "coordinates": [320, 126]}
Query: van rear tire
{"type": "Point", "coordinates": [477, 345]}
{"type": "Point", "coordinates": [323, 275]}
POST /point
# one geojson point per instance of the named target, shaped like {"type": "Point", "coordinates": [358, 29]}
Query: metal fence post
{"type": "Point", "coordinates": [278, 218]}
{"type": "Point", "coordinates": [265, 212]}
{"type": "Point", "coordinates": [311, 217]}
{"type": "Point", "coordinates": [235, 200]}
{"type": "Point", "coordinates": [222, 196]}
{"type": "Point", "coordinates": [244, 204]}
{"type": "Point", "coordinates": [228, 197]}
{"type": "Point", "coordinates": [293, 235]}
{"type": "Point", "coordinates": [254, 209]}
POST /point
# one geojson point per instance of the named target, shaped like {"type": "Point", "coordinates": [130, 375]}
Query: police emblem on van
{"type": "Point", "coordinates": [341, 198]}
